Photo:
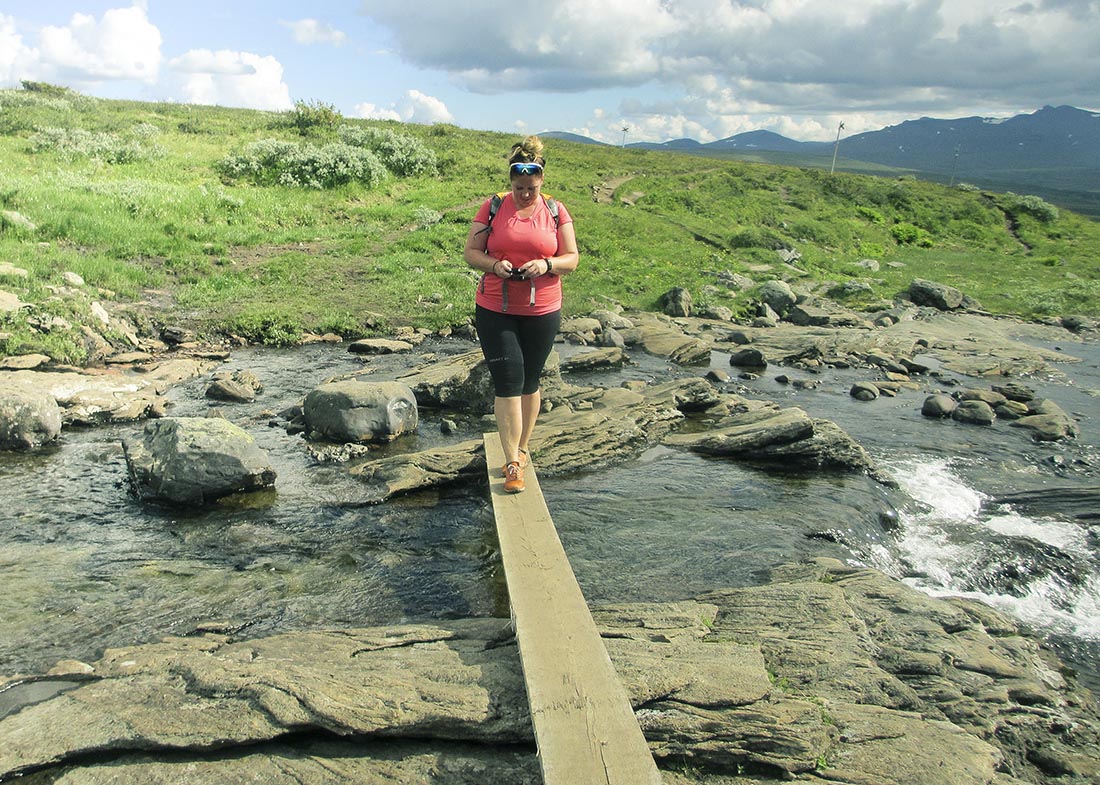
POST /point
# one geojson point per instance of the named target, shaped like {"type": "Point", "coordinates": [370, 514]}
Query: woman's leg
{"type": "Point", "coordinates": [536, 337]}
{"type": "Point", "coordinates": [510, 424]}
{"type": "Point", "coordinates": [499, 337]}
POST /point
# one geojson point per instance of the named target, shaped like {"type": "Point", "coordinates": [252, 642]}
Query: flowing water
{"type": "Point", "coordinates": [85, 566]}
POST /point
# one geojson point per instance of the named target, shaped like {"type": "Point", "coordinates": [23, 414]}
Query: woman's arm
{"type": "Point", "coordinates": [567, 258]}
{"type": "Point", "coordinates": [477, 257]}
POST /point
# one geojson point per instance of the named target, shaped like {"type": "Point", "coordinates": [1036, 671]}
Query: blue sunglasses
{"type": "Point", "coordinates": [525, 168]}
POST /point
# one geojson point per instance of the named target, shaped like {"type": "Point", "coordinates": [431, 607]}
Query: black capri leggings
{"type": "Point", "coordinates": [515, 348]}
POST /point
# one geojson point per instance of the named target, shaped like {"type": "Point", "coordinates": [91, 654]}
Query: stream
{"type": "Point", "coordinates": [84, 566]}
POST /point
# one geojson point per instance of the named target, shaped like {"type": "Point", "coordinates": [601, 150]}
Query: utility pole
{"type": "Point", "coordinates": [625, 129]}
{"type": "Point", "coordinates": [954, 165]}
{"type": "Point", "coordinates": [836, 146]}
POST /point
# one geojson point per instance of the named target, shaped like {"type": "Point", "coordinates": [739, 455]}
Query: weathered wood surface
{"type": "Point", "coordinates": [584, 725]}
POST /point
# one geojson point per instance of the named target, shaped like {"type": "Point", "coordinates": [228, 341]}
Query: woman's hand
{"type": "Point", "coordinates": [502, 268]}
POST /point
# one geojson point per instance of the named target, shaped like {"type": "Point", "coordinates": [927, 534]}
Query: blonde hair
{"type": "Point", "coordinates": [527, 151]}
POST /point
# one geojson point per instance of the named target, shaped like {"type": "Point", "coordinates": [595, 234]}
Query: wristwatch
{"type": "Point", "coordinates": [549, 265]}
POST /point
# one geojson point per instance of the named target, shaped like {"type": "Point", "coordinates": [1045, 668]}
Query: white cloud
{"type": "Point", "coordinates": [17, 61]}
{"type": "Point", "coordinates": [417, 107]}
{"type": "Point", "coordinates": [228, 78]}
{"type": "Point", "coordinates": [122, 45]}
{"type": "Point", "coordinates": [312, 31]}
{"type": "Point", "coordinates": [801, 63]}
{"type": "Point", "coordinates": [375, 112]}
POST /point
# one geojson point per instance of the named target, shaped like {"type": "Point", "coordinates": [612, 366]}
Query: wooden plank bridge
{"type": "Point", "coordinates": [585, 728]}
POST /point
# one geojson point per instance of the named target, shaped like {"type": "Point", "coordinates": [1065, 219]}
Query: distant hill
{"type": "Point", "coordinates": [1053, 152]}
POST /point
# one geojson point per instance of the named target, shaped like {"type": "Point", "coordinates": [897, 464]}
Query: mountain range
{"type": "Point", "coordinates": [1053, 152]}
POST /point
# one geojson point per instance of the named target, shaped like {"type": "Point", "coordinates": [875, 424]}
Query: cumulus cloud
{"type": "Point", "coordinates": [312, 31]}
{"type": "Point", "coordinates": [793, 59]}
{"type": "Point", "coordinates": [227, 78]}
{"type": "Point", "coordinates": [121, 45]}
{"type": "Point", "coordinates": [416, 107]}
{"type": "Point", "coordinates": [17, 61]}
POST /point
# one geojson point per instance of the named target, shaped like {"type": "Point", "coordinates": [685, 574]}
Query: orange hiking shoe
{"type": "Point", "coordinates": [524, 462]}
{"type": "Point", "coordinates": [513, 478]}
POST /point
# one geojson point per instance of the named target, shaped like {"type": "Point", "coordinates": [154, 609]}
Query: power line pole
{"type": "Point", "coordinates": [836, 146]}
{"type": "Point", "coordinates": [625, 129]}
{"type": "Point", "coordinates": [954, 165]}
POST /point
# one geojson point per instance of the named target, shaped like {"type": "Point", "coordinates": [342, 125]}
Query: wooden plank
{"type": "Point", "coordinates": [584, 725]}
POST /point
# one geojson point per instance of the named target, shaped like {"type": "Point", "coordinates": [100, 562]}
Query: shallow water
{"type": "Point", "coordinates": [84, 566]}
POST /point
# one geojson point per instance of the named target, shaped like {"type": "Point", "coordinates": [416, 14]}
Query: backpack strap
{"type": "Point", "coordinates": [496, 199]}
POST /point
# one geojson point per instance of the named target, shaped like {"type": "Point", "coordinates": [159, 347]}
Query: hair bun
{"type": "Point", "coordinates": [530, 149]}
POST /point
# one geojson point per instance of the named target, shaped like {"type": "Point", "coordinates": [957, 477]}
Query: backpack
{"type": "Point", "coordinates": [497, 198]}
{"type": "Point", "coordinates": [494, 205]}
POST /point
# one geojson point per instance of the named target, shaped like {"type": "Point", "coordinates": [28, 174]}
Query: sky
{"type": "Point", "coordinates": [613, 70]}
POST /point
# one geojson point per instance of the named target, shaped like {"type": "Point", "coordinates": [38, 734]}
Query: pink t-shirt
{"type": "Point", "coordinates": [519, 240]}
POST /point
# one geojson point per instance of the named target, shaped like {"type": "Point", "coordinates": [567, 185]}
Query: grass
{"type": "Point", "coordinates": [273, 262]}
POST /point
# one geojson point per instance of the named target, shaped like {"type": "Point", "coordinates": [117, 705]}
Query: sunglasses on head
{"type": "Point", "coordinates": [526, 168]}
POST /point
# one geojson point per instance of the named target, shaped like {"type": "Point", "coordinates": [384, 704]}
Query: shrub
{"type": "Point", "coordinates": [275, 162]}
{"type": "Point", "coordinates": [45, 88]}
{"type": "Point", "coordinates": [426, 216]}
{"type": "Point", "coordinates": [1033, 206]}
{"type": "Point", "coordinates": [908, 234]}
{"type": "Point", "coordinates": [758, 237]}
{"type": "Point", "coordinates": [72, 143]}
{"type": "Point", "coordinates": [402, 154]}
{"type": "Point", "coordinates": [308, 115]}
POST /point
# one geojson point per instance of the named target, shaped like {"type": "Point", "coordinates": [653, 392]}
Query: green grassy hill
{"type": "Point", "coordinates": [201, 213]}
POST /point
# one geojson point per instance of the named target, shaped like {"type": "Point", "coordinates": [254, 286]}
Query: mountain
{"type": "Point", "coordinates": [1053, 152]}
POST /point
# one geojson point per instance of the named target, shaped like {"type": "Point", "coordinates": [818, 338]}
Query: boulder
{"type": "Point", "coordinates": [676, 302]}
{"type": "Point", "coordinates": [594, 360]}
{"type": "Point", "coordinates": [748, 358]}
{"type": "Point", "coordinates": [238, 387]}
{"type": "Point", "coordinates": [195, 460]}
{"type": "Point", "coordinates": [10, 303]}
{"type": "Point", "coordinates": [357, 411]}
{"type": "Point", "coordinates": [864, 391]}
{"type": "Point", "coordinates": [992, 397]}
{"type": "Point", "coordinates": [939, 405]}
{"type": "Point", "coordinates": [379, 346]}
{"type": "Point", "coordinates": [936, 295]}
{"type": "Point", "coordinates": [974, 412]}
{"type": "Point", "coordinates": [778, 296]}
{"type": "Point", "coordinates": [612, 320]}
{"type": "Point", "coordinates": [28, 417]}
{"type": "Point", "coordinates": [1015, 391]}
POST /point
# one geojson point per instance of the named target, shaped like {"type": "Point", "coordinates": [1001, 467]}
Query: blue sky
{"type": "Point", "coordinates": [663, 69]}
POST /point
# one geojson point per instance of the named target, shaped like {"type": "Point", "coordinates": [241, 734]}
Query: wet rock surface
{"type": "Point", "coordinates": [827, 673]}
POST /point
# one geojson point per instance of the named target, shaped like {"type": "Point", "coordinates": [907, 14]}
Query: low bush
{"type": "Point", "coordinates": [402, 154]}
{"type": "Point", "coordinates": [73, 143]}
{"type": "Point", "coordinates": [309, 115]}
{"type": "Point", "coordinates": [1033, 206]}
{"type": "Point", "coordinates": [275, 162]}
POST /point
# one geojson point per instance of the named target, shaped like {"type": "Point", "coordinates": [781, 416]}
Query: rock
{"type": "Point", "coordinates": [991, 397]}
{"type": "Point", "coordinates": [194, 460]}
{"type": "Point", "coordinates": [778, 296]}
{"type": "Point", "coordinates": [936, 295]}
{"type": "Point", "coordinates": [825, 673]}
{"type": "Point", "coordinates": [718, 376]}
{"type": "Point", "coordinates": [732, 280]}
{"type": "Point", "coordinates": [717, 312]}
{"type": "Point", "coordinates": [748, 358]}
{"type": "Point", "coordinates": [596, 359]}
{"type": "Point", "coordinates": [28, 418]}
{"type": "Point", "coordinates": [974, 412]}
{"type": "Point", "coordinates": [612, 320]}
{"type": "Point", "coordinates": [23, 362]}
{"type": "Point", "coordinates": [1015, 391]}
{"type": "Point", "coordinates": [1011, 410]}
{"type": "Point", "coordinates": [939, 405]}
{"type": "Point", "coordinates": [17, 220]}
{"type": "Point", "coordinates": [10, 303]}
{"type": "Point", "coordinates": [610, 337]}
{"type": "Point", "coordinates": [1077, 324]}
{"type": "Point", "coordinates": [379, 346]}
{"type": "Point", "coordinates": [664, 340]}
{"type": "Point", "coordinates": [1048, 427]}
{"type": "Point", "coordinates": [230, 391]}
{"type": "Point", "coordinates": [806, 315]}
{"type": "Point", "coordinates": [448, 427]}
{"type": "Point", "coordinates": [399, 474]}
{"type": "Point", "coordinates": [72, 279]}
{"type": "Point", "coordinates": [676, 302]}
{"type": "Point", "coordinates": [871, 265]}
{"type": "Point", "coordinates": [864, 391]}
{"type": "Point", "coordinates": [356, 411]}
{"type": "Point", "coordinates": [239, 387]}
{"type": "Point", "coordinates": [8, 270]}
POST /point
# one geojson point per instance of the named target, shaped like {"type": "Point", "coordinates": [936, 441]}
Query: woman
{"type": "Point", "coordinates": [522, 248]}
